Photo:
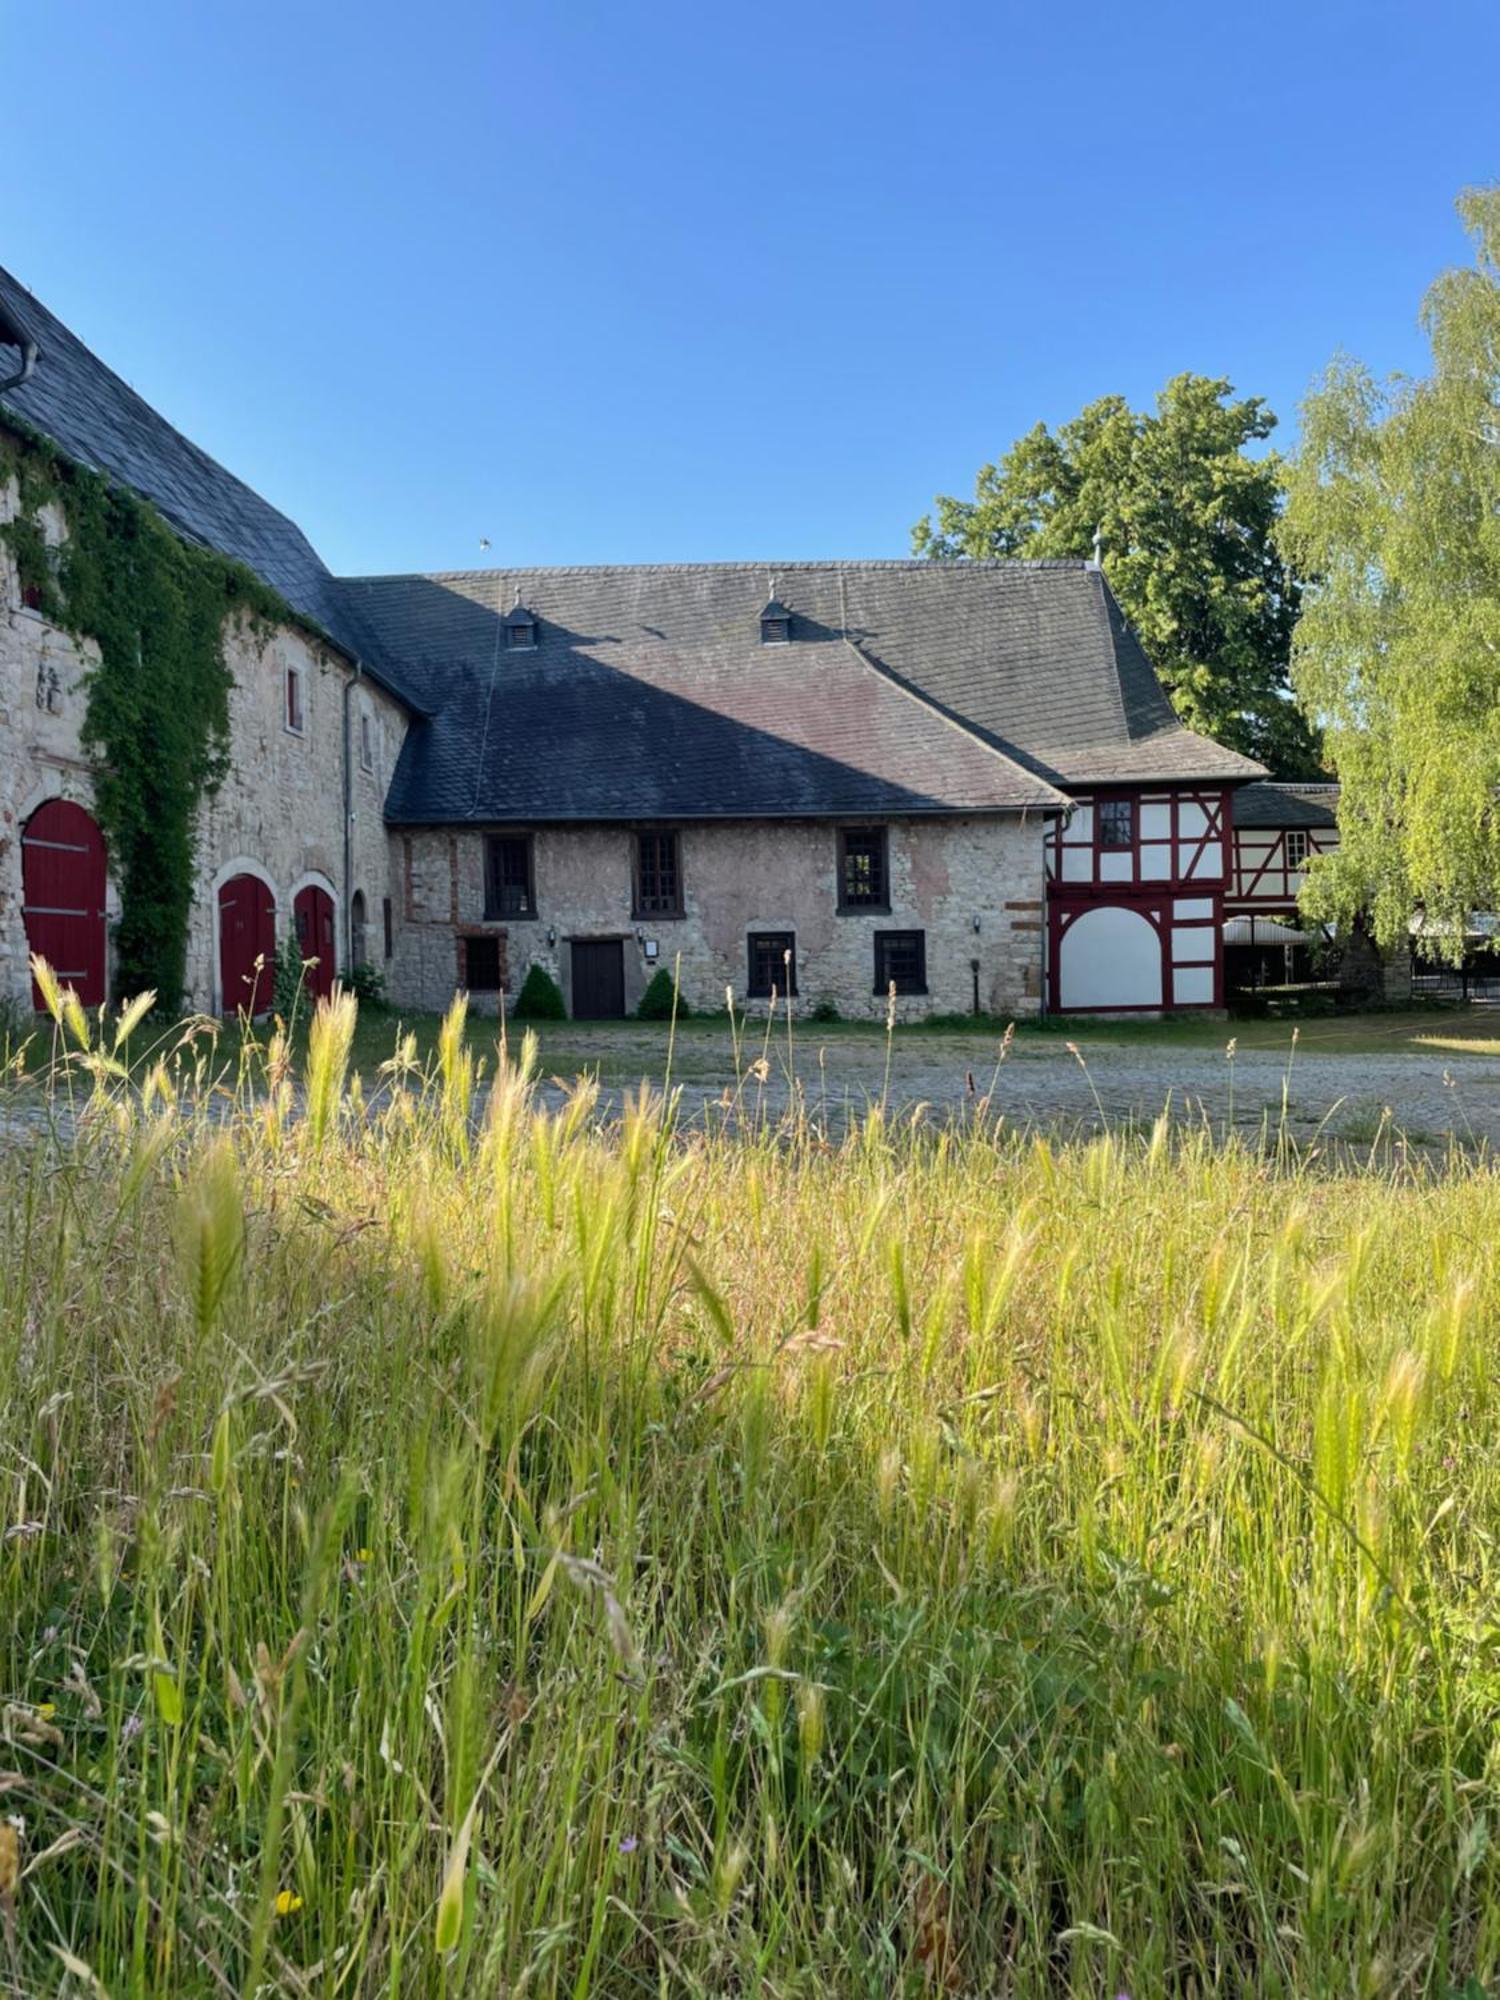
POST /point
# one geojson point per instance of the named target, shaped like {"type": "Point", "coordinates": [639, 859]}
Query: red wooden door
{"type": "Point", "coordinates": [313, 910]}
{"type": "Point", "coordinates": [247, 945]}
{"type": "Point", "coordinates": [62, 896]}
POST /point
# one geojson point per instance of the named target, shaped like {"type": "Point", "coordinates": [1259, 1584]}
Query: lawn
{"type": "Point", "coordinates": [557, 1558]}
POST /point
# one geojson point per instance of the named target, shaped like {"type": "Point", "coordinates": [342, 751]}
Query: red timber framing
{"type": "Point", "coordinates": [1135, 901]}
{"type": "Point", "coordinates": [1268, 872]}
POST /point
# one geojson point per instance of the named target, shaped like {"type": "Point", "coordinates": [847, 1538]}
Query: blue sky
{"type": "Point", "coordinates": [677, 282]}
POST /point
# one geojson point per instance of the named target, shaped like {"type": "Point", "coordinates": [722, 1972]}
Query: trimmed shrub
{"type": "Point", "coordinates": [540, 998]}
{"type": "Point", "coordinates": [656, 1001]}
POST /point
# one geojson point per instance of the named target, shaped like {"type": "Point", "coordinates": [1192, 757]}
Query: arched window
{"type": "Point", "coordinates": [358, 950]}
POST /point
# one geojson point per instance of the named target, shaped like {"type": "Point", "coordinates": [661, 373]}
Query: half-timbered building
{"type": "Point", "coordinates": [943, 787]}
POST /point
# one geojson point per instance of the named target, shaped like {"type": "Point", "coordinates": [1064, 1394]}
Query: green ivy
{"type": "Point", "coordinates": [156, 727]}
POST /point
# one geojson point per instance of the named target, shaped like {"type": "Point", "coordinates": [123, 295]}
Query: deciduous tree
{"type": "Point", "coordinates": [1186, 512]}
{"type": "Point", "coordinates": [1394, 505]}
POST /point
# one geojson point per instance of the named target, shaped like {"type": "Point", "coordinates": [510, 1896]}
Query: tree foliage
{"type": "Point", "coordinates": [1187, 518]}
{"type": "Point", "coordinates": [1394, 505]}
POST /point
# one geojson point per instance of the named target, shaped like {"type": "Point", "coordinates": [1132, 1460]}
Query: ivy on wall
{"type": "Point", "coordinates": [156, 725]}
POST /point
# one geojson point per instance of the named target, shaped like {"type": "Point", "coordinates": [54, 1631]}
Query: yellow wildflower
{"type": "Point", "coordinates": [46, 1710]}
{"type": "Point", "coordinates": [362, 1555]}
{"type": "Point", "coordinates": [287, 1900]}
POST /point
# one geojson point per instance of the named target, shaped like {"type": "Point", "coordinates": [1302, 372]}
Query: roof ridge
{"type": "Point", "coordinates": [971, 735]}
{"type": "Point", "coordinates": [804, 565]}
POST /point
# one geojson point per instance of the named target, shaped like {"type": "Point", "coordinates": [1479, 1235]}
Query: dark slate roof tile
{"type": "Point", "coordinates": [1286, 803]}
{"type": "Point", "coordinates": [651, 695]}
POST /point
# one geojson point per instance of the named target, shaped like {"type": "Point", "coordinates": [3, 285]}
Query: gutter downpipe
{"type": "Point", "coordinates": [29, 354]}
{"type": "Point", "coordinates": [348, 896]}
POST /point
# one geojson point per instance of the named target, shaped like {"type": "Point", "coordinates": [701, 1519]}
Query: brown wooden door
{"type": "Point", "coordinates": [313, 911]}
{"type": "Point", "coordinates": [598, 979]}
{"type": "Point", "coordinates": [62, 896]}
{"type": "Point", "coordinates": [247, 945]}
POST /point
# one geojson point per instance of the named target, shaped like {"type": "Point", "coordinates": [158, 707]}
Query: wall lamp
{"type": "Point", "coordinates": [551, 934]}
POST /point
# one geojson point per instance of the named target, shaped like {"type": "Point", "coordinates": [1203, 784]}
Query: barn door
{"type": "Point", "coordinates": [247, 945]}
{"type": "Point", "coordinates": [62, 896]}
{"type": "Point", "coordinates": [598, 979]}
{"type": "Point", "coordinates": [313, 912]}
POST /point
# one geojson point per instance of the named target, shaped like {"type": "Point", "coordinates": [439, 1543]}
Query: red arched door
{"type": "Point", "coordinates": [247, 945]}
{"type": "Point", "coordinates": [313, 909]}
{"type": "Point", "coordinates": [62, 896]}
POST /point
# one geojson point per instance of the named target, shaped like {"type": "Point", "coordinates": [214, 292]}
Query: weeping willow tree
{"type": "Point", "coordinates": [1393, 508]}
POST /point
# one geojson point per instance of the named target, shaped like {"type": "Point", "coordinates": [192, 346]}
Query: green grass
{"type": "Point", "coordinates": [461, 1557]}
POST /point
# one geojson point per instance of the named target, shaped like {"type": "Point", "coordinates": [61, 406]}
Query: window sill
{"type": "Point", "coordinates": [864, 909]}
{"type": "Point", "coordinates": [902, 992]}
{"type": "Point", "coordinates": [509, 917]}
{"type": "Point", "coordinates": [657, 916]}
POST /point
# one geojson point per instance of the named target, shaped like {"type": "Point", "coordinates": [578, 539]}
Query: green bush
{"type": "Point", "coordinates": [825, 1011]}
{"type": "Point", "coordinates": [540, 998]}
{"type": "Point", "coordinates": [289, 996]}
{"type": "Point", "coordinates": [658, 998]}
{"type": "Point", "coordinates": [367, 983]}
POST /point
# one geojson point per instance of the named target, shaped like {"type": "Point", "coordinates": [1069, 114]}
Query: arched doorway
{"type": "Point", "coordinates": [63, 870]}
{"type": "Point", "coordinates": [247, 945]}
{"type": "Point", "coordinates": [312, 910]}
{"type": "Point", "coordinates": [1110, 956]}
{"type": "Point", "coordinates": [359, 950]}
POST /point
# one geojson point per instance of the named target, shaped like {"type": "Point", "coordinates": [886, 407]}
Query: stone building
{"type": "Point", "coordinates": [958, 781]}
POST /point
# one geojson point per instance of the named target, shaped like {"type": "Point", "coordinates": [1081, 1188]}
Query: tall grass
{"type": "Point", "coordinates": [452, 1546]}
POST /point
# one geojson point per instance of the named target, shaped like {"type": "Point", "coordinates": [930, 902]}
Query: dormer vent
{"type": "Point", "coordinates": [520, 629]}
{"type": "Point", "coordinates": [775, 625]}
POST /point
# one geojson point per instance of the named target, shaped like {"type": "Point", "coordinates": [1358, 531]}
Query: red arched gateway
{"type": "Point", "coordinates": [62, 896]}
{"type": "Point", "coordinates": [247, 945]}
{"type": "Point", "coordinates": [313, 910]}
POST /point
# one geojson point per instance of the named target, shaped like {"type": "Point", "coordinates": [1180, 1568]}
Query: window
{"type": "Point", "coordinates": [520, 630]}
{"type": "Point", "coordinates": [509, 885]}
{"type": "Point", "coordinates": [1296, 848]}
{"type": "Point", "coordinates": [1115, 819]}
{"type": "Point", "coordinates": [294, 700]}
{"type": "Point", "coordinates": [901, 961]}
{"type": "Point", "coordinates": [358, 949]}
{"type": "Point", "coordinates": [862, 870]}
{"type": "Point", "coordinates": [658, 877]}
{"type": "Point", "coordinates": [390, 926]}
{"type": "Point", "coordinates": [773, 963]}
{"type": "Point", "coordinates": [366, 740]}
{"type": "Point", "coordinates": [482, 964]}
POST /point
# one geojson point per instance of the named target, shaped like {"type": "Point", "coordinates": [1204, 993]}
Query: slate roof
{"type": "Point", "coordinates": [99, 421]}
{"type": "Point", "coordinates": [649, 695]}
{"type": "Point", "coordinates": [908, 687]}
{"type": "Point", "coordinates": [1285, 803]}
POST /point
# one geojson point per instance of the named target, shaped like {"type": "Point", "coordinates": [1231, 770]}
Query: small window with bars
{"type": "Point", "coordinates": [366, 740]}
{"type": "Point", "coordinates": [481, 971]}
{"type": "Point", "coordinates": [509, 880]}
{"type": "Point", "coordinates": [863, 876]}
{"type": "Point", "coordinates": [901, 961]}
{"type": "Point", "coordinates": [388, 916]}
{"type": "Point", "coordinates": [773, 964]}
{"type": "Point", "coordinates": [1297, 847]}
{"type": "Point", "coordinates": [658, 875]}
{"type": "Point", "coordinates": [294, 700]}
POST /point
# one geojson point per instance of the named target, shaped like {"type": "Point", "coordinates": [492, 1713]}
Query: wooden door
{"type": "Point", "coordinates": [63, 871]}
{"type": "Point", "coordinates": [598, 979]}
{"type": "Point", "coordinates": [313, 912]}
{"type": "Point", "coordinates": [247, 945]}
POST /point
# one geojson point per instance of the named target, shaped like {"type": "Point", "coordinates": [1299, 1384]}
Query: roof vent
{"type": "Point", "coordinates": [520, 629]}
{"type": "Point", "coordinates": [775, 625]}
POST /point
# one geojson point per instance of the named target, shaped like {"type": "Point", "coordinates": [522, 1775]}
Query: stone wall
{"type": "Point", "coordinates": [945, 874]}
{"type": "Point", "coordinates": [279, 813]}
